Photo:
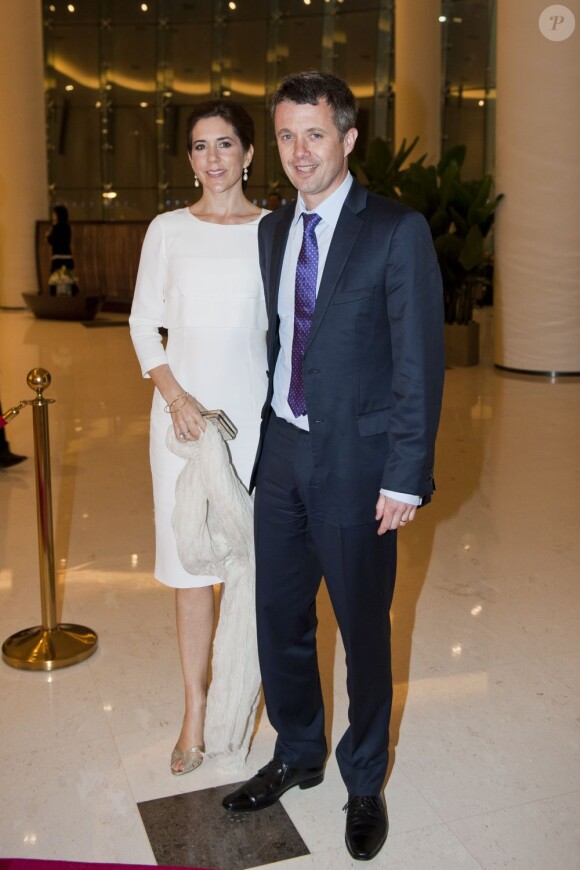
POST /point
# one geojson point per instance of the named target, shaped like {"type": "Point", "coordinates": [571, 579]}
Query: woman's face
{"type": "Point", "coordinates": [217, 156]}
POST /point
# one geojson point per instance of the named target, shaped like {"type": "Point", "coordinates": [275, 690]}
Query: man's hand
{"type": "Point", "coordinates": [393, 513]}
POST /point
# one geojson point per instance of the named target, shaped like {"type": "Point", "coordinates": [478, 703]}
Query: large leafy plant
{"type": "Point", "coordinates": [460, 215]}
{"type": "Point", "coordinates": [381, 170]}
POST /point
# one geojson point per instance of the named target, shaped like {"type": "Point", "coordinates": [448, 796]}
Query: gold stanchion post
{"type": "Point", "coordinates": [50, 645]}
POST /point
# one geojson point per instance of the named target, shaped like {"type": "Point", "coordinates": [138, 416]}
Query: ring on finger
{"type": "Point", "coordinates": [183, 436]}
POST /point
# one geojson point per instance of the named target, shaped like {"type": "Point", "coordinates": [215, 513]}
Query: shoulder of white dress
{"type": "Point", "coordinates": [165, 217]}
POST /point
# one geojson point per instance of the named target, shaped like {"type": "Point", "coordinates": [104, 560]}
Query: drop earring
{"type": "Point", "coordinates": [245, 173]}
{"type": "Point", "coordinates": [195, 180]}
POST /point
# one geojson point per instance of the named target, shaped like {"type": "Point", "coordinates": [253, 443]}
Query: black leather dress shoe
{"type": "Point", "coordinates": [7, 458]}
{"type": "Point", "coordinates": [367, 826]}
{"type": "Point", "coordinates": [270, 783]}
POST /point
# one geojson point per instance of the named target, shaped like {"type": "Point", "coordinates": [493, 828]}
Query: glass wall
{"type": "Point", "coordinates": [121, 76]}
{"type": "Point", "coordinates": [469, 95]}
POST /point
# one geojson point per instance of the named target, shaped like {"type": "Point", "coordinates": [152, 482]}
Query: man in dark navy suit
{"type": "Point", "coordinates": [356, 361]}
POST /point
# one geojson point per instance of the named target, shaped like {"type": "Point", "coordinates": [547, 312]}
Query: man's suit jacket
{"type": "Point", "coordinates": [374, 361]}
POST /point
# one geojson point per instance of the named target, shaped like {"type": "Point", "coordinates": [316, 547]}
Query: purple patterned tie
{"type": "Point", "coordinates": [304, 302]}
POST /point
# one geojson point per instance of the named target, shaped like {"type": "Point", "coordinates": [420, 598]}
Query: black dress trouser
{"type": "Point", "coordinates": [298, 540]}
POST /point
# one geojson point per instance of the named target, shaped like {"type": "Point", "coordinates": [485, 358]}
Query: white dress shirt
{"type": "Point", "coordinates": [329, 212]}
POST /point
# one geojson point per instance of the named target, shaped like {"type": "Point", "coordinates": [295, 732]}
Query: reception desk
{"type": "Point", "coordinates": [106, 258]}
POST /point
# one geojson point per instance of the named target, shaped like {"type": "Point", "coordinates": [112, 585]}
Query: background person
{"type": "Point", "coordinates": [356, 362]}
{"type": "Point", "coordinates": [7, 457]}
{"type": "Point", "coordinates": [199, 277]}
{"type": "Point", "coordinates": [59, 238]}
{"type": "Point", "coordinates": [273, 200]}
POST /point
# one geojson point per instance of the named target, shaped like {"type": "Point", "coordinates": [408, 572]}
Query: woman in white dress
{"type": "Point", "coordinates": [199, 277]}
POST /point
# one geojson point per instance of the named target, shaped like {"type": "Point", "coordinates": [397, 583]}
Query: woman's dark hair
{"type": "Point", "coordinates": [231, 112]}
{"type": "Point", "coordinates": [311, 87]}
{"type": "Point", "coordinates": [61, 212]}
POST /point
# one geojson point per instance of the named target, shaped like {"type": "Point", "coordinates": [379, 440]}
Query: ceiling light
{"type": "Point", "coordinates": [144, 7]}
{"type": "Point", "coordinates": [232, 5]}
{"type": "Point", "coordinates": [442, 18]}
{"type": "Point", "coordinates": [109, 194]}
{"type": "Point", "coordinates": [69, 87]}
{"type": "Point", "coordinates": [71, 7]}
{"type": "Point", "coordinates": [481, 103]}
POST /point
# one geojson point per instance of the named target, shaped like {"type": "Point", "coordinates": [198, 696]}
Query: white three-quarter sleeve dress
{"type": "Point", "coordinates": [202, 282]}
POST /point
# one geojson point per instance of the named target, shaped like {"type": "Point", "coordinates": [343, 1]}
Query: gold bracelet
{"type": "Point", "coordinates": [184, 396]}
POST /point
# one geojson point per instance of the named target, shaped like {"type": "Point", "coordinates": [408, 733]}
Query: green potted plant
{"type": "Point", "coordinates": [381, 170]}
{"type": "Point", "coordinates": [460, 215]}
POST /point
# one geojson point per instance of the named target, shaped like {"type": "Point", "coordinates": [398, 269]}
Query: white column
{"type": "Point", "coordinates": [537, 271]}
{"type": "Point", "coordinates": [418, 76]}
{"type": "Point", "coordinates": [23, 177]}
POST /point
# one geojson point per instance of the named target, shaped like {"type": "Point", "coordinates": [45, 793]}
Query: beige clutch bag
{"type": "Point", "coordinates": [226, 428]}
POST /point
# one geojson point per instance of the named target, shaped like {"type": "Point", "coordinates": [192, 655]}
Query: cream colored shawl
{"type": "Point", "coordinates": [213, 525]}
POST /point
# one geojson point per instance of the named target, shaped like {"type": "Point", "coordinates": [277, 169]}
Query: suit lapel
{"type": "Point", "coordinates": [344, 238]}
{"type": "Point", "coordinates": [278, 249]}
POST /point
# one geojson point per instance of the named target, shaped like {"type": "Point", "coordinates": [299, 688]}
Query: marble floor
{"type": "Point", "coordinates": [486, 723]}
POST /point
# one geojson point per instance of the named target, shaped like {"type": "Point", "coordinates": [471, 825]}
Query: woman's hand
{"type": "Point", "coordinates": [188, 422]}
{"type": "Point", "coordinates": [185, 410]}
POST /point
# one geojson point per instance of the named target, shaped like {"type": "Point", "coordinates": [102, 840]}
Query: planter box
{"type": "Point", "coordinates": [78, 307]}
{"type": "Point", "coordinates": [462, 344]}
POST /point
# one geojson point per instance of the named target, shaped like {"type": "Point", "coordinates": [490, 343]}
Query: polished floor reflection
{"type": "Point", "coordinates": [486, 621]}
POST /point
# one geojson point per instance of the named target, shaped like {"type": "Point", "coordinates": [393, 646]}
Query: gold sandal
{"type": "Point", "coordinates": [191, 759]}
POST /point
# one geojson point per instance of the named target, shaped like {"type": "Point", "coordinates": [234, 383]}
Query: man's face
{"type": "Point", "coordinates": [312, 154]}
